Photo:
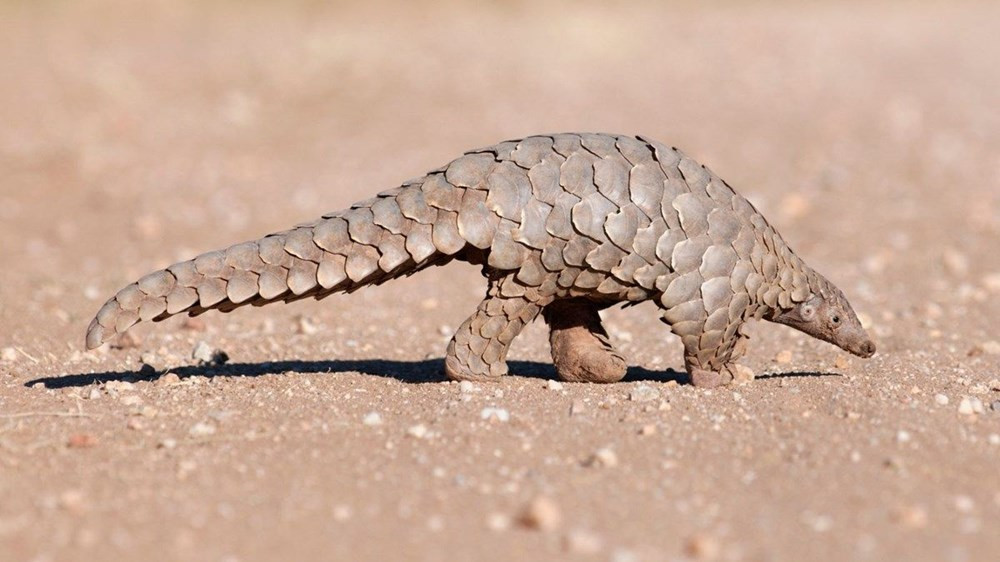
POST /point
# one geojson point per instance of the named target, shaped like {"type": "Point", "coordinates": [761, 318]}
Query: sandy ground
{"type": "Point", "coordinates": [136, 134]}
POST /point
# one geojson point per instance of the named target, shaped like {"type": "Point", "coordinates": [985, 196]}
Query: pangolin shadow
{"type": "Point", "coordinates": [414, 372]}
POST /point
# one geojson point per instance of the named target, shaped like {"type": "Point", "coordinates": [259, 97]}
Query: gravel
{"type": "Point", "coordinates": [604, 457]}
{"type": "Point", "coordinates": [643, 393]}
{"type": "Point", "coordinates": [297, 111]}
{"type": "Point", "coordinates": [201, 429]}
{"type": "Point", "coordinates": [542, 514]}
{"type": "Point", "coordinates": [970, 405]}
{"type": "Point", "coordinates": [208, 355]}
{"type": "Point", "coordinates": [992, 347]}
{"type": "Point", "coordinates": [495, 414]}
{"type": "Point", "coordinates": [418, 431]}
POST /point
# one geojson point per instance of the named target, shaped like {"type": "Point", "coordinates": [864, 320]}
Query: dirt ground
{"type": "Point", "coordinates": [133, 135]}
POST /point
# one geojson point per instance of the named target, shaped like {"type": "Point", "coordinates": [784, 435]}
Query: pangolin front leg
{"type": "Point", "coordinates": [581, 348]}
{"type": "Point", "coordinates": [478, 351]}
{"type": "Point", "coordinates": [710, 354]}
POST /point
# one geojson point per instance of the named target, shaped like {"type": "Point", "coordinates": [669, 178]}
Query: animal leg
{"type": "Point", "coordinates": [710, 355]}
{"type": "Point", "coordinates": [581, 348]}
{"type": "Point", "coordinates": [478, 351]}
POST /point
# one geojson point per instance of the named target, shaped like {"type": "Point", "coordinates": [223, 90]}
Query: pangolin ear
{"type": "Point", "coordinates": [807, 310]}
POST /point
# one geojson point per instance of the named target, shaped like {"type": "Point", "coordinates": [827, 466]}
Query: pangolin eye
{"type": "Point", "coordinates": [835, 319]}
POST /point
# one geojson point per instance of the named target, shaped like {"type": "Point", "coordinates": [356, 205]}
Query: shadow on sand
{"type": "Point", "coordinates": [428, 370]}
{"type": "Point", "coordinates": [415, 372]}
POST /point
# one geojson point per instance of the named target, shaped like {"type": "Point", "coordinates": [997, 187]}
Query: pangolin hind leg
{"type": "Point", "coordinates": [478, 351]}
{"type": "Point", "coordinates": [581, 348]}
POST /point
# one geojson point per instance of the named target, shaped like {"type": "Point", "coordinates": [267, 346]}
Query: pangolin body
{"type": "Point", "coordinates": [563, 225]}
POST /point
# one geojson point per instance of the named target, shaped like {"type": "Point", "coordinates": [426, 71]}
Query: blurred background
{"type": "Point", "coordinates": [137, 133]}
{"type": "Point", "coordinates": [266, 112]}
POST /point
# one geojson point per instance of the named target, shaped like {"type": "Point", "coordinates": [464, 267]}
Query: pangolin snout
{"type": "Point", "coordinates": [866, 349]}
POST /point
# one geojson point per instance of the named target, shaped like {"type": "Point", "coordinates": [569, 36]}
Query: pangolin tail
{"type": "Point", "coordinates": [394, 234]}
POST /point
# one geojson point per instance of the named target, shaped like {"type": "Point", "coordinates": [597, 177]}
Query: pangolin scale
{"type": "Point", "coordinates": [563, 226]}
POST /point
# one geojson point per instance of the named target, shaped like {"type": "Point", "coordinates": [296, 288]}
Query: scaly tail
{"type": "Point", "coordinates": [394, 234]}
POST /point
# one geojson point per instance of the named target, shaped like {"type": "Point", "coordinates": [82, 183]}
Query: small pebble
{"type": "Point", "coordinates": [970, 405]}
{"type": "Point", "coordinates": [580, 541]}
{"type": "Point", "coordinates": [914, 517]}
{"type": "Point", "coordinates": [964, 503]}
{"type": "Point", "coordinates": [941, 399]}
{"type": "Point", "coordinates": [151, 360]}
{"type": "Point", "coordinates": [118, 386]}
{"type": "Point", "coordinates": [9, 354]}
{"type": "Point", "coordinates": [743, 374]}
{"type": "Point", "coordinates": [221, 416]}
{"type": "Point", "coordinates": [342, 513]}
{"type": "Point", "coordinates": [577, 408]}
{"type": "Point", "coordinates": [553, 385]}
{"type": "Point", "coordinates": [94, 394]}
{"type": "Point", "coordinates": [956, 262]}
{"type": "Point", "coordinates": [372, 419]}
{"type": "Point", "coordinates": [991, 347]}
{"type": "Point", "coordinates": [991, 281]}
{"type": "Point", "coordinates": [90, 292]}
{"type": "Point", "coordinates": [701, 546]}
{"type": "Point", "coordinates": [168, 379]}
{"type": "Point", "coordinates": [643, 393]}
{"type": "Point", "coordinates": [201, 429]}
{"type": "Point", "coordinates": [978, 389]}
{"type": "Point", "coordinates": [623, 555]}
{"type": "Point", "coordinates": [208, 355]}
{"type": "Point", "coordinates": [903, 436]}
{"type": "Point", "coordinates": [648, 429]}
{"type": "Point", "coordinates": [495, 414]}
{"type": "Point", "coordinates": [604, 457]}
{"type": "Point", "coordinates": [467, 387]}
{"type": "Point", "coordinates": [305, 326]}
{"type": "Point", "coordinates": [541, 514]}
{"type": "Point", "coordinates": [418, 431]}
{"type": "Point", "coordinates": [168, 443]}
{"type": "Point", "coordinates": [995, 405]}
{"type": "Point", "coordinates": [73, 501]}
{"type": "Point", "coordinates": [498, 522]}
{"type": "Point", "coordinates": [81, 441]}
{"type": "Point", "coordinates": [783, 357]}
{"type": "Point", "coordinates": [185, 468]}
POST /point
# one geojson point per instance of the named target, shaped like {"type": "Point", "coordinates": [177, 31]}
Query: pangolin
{"type": "Point", "coordinates": [563, 226]}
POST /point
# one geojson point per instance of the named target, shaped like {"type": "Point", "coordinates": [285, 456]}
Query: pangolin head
{"type": "Point", "coordinates": [826, 315]}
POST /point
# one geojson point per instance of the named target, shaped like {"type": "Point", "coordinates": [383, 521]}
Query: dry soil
{"type": "Point", "coordinates": [135, 134]}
